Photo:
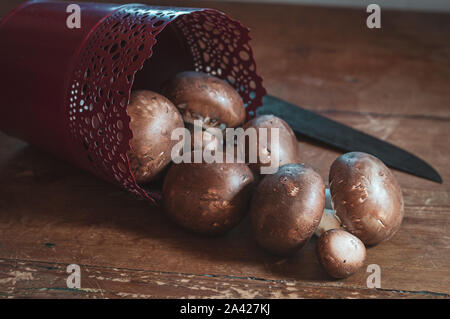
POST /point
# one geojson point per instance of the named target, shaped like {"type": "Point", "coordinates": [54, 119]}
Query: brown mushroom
{"type": "Point", "coordinates": [366, 197]}
{"type": "Point", "coordinates": [152, 119]}
{"type": "Point", "coordinates": [207, 198]}
{"type": "Point", "coordinates": [286, 208]}
{"type": "Point", "coordinates": [206, 98]}
{"type": "Point", "coordinates": [340, 253]}
{"type": "Point", "coordinates": [286, 148]}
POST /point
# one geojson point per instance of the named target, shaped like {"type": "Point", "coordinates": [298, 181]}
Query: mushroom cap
{"type": "Point", "coordinates": [340, 253]}
{"type": "Point", "coordinates": [207, 198]}
{"type": "Point", "coordinates": [288, 150]}
{"type": "Point", "coordinates": [152, 119]}
{"type": "Point", "coordinates": [200, 96]}
{"type": "Point", "coordinates": [286, 208]}
{"type": "Point", "coordinates": [366, 197]}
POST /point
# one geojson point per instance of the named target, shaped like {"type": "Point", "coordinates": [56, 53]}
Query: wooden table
{"type": "Point", "coordinates": [393, 83]}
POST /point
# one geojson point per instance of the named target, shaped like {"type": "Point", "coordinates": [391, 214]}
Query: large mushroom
{"type": "Point", "coordinates": [366, 197]}
{"type": "Point", "coordinates": [205, 98]}
{"type": "Point", "coordinates": [207, 198]}
{"type": "Point", "coordinates": [153, 117]}
{"type": "Point", "coordinates": [286, 208]}
{"type": "Point", "coordinates": [284, 150]}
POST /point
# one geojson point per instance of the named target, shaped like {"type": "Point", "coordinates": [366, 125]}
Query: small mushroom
{"type": "Point", "coordinates": [286, 148]}
{"type": "Point", "coordinates": [206, 98]}
{"type": "Point", "coordinates": [340, 253]}
{"type": "Point", "coordinates": [286, 208]}
{"type": "Point", "coordinates": [152, 119]}
{"type": "Point", "coordinates": [366, 197]}
{"type": "Point", "coordinates": [207, 198]}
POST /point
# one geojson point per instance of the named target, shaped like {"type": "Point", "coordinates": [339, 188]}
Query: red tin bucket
{"type": "Point", "coordinates": [66, 90]}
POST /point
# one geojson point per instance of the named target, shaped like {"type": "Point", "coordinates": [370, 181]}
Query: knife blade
{"type": "Point", "coordinates": [345, 138]}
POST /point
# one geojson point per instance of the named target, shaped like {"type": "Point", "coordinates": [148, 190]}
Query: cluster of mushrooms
{"type": "Point", "coordinates": [363, 205]}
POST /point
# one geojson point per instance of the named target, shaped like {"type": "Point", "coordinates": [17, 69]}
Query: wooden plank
{"type": "Point", "coordinates": [327, 59]}
{"type": "Point", "coordinates": [86, 221]}
{"type": "Point", "coordinates": [24, 279]}
{"type": "Point", "coordinates": [391, 83]}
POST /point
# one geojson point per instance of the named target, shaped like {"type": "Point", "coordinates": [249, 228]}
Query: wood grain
{"type": "Point", "coordinates": [24, 279]}
{"type": "Point", "coordinates": [392, 83]}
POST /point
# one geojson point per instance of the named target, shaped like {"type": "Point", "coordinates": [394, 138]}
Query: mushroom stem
{"type": "Point", "coordinates": [329, 221]}
{"type": "Point", "coordinates": [329, 218]}
{"type": "Point", "coordinates": [328, 200]}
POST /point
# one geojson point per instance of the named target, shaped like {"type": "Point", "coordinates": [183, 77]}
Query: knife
{"type": "Point", "coordinates": [345, 138]}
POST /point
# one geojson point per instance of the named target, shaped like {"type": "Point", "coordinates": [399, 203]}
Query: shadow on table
{"type": "Point", "coordinates": [50, 196]}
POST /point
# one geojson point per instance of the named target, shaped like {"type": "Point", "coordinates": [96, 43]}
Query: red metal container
{"type": "Point", "coordinates": [66, 90]}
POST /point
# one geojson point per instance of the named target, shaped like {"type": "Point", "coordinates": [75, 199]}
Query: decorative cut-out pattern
{"type": "Point", "coordinates": [117, 49]}
{"type": "Point", "coordinates": [220, 46]}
